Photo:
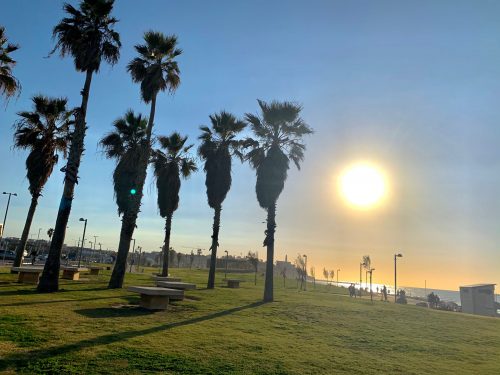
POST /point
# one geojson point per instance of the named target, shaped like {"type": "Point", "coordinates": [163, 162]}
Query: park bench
{"type": "Point", "coordinates": [72, 273]}
{"type": "Point", "coordinates": [175, 285]}
{"type": "Point", "coordinates": [166, 278]}
{"type": "Point", "coordinates": [94, 270]}
{"type": "Point", "coordinates": [233, 283]}
{"type": "Point", "coordinates": [28, 275]}
{"type": "Point", "coordinates": [154, 298]}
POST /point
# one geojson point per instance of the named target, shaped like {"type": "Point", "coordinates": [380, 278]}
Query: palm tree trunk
{"type": "Point", "coordinates": [271, 228]}
{"type": "Point", "coordinates": [166, 246]}
{"type": "Point", "coordinates": [26, 231]}
{"type": "Point", "coordinates": [49, 281]}
{"type": "Point", "coordinates": [129, 218]}
{"type": "Point", "coordinates": [215, 244]}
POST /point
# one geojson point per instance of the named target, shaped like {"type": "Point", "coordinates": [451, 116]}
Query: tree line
{"type": "Point", "coordinates": [51, 130]}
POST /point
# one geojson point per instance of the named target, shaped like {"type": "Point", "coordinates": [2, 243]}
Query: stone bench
{"type": "Point", "coordinates": [72, 273]}
{"type": "Point", "coordinates": [154, 298]}
{"type": "Point", "coordinates": [175, 285]}
{"type": "Point", "coordinates": [233, 283]}
{"type": "Point", "coordinates": [28, 275]}
{"type": "Point", "coordinates": [166, 278]}
{"type": "Point", "coordinates": [94, 270]}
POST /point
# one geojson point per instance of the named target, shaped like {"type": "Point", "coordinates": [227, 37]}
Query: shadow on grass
{"type": "Point", "coordinates": [130, 298]}
{"type": "Point", "coordinates": [22, 360]}
{"type": "Point", "coordinates": [114, 312]}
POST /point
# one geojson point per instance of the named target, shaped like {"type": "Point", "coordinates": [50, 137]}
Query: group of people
{"type": "Point", "coordinates": [352, 292]}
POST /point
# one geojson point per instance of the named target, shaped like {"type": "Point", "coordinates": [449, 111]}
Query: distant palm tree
{"type": "Point", "coordinates": [125, 144]}
{"type": "Point", "coordinates": [279, 130]}
{"type": "Point", "coordinates": [367, 265]}
{"type": "Point", "coordinates": [219, 143]}
{"type": "Point", "coordinates": [156, 70]}
{"type": "Point", "coordinates": [87, 35]}
{"type": "Point", "coordinates": [9, 85]}
{"type": "Point", "coordinates": [170, 162]}
{"type": "Point", "coordinates": [45, 132]}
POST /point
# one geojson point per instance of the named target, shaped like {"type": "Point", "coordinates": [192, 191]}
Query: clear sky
{"type": "Point", "coordinates": [410, 86]}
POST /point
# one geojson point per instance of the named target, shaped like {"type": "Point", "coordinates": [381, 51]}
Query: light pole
{"type": "Point", "coordinates": [227, 257]}
{"type": "Point", "coordinates": [139, 260]}
{"type": "Point", "coordinates": [83, 240]}
{"type": "Point", "coordinates": [360, 277]}
{"type": "Point", "coordinates": [132, 257]}
{"type": "Point", "coordinates": [5, 220]}
{"type": "Point", "coordinates": [95, 243]}
{"type": "Point", "coordinates": [100, 252]}
{"type": "Point", "coordinates": [396, 256]}
{"type": "Point", "coordinates": [371, 292]}
{"type": "Point", "coordinates": [338, 270]}
{"type": "Point", "coordinates": [305, 272]}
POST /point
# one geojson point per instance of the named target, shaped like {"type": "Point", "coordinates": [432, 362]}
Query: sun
{"type": "Point", "coordinates": [363, 185]}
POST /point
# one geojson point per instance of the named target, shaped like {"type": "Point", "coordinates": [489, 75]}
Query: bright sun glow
{"type": "Point", "coordinates": [363, 185]}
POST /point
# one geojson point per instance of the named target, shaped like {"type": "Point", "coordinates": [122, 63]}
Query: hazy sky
{"type": "Point", "coordinates": [410, 86]}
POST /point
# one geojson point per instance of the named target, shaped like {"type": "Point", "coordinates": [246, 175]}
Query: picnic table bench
{"type": "Point", "coordinates": [233, 283]}
{"type": "Point", "coordinates": [28, 275]}
{"type": "Point", "coordinates": [175, 285]}
{"type": "Point", "coordinates": [166, 278]}
{"type": "Point", "coordinates": [94, 270]}
{"type": "Point", "coordinates": [154, 298]}
{"type": "Point", "coordinates": [72, 273]}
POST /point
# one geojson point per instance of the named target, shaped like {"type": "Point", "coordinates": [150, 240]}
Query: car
{"type": "Point", "coordinates": [8, 254]}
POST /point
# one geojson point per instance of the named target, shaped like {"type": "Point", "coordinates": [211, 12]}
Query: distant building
{"type": "Point", "coordinates": [478, 299]}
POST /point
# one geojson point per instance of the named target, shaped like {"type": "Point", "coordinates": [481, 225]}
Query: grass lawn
{"type": "Point", "coordinates": [87, 329]}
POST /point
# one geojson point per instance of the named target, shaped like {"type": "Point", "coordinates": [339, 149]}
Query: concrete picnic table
{"type": "Point", "coordinates": [166, 278]}
{"type": "Point", "coordinates": [72, 273]}
{"type": "Point", "coordinates": [175, 285]}
{"type": "Point", "coordinates": [154, 298]}
{"type": "Point", "coordinates": [28, 275]}
{"type": "Point", "coordinates": [94, 270]}
{"type": "Point", "coordinates": [233, 283]}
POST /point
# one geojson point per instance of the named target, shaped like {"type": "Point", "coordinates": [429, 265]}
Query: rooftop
{"type": "Point", "coordinates": [476, 285]}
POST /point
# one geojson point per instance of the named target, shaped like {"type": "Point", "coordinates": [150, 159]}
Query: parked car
{"type": "Point", "coordinates": [9, 255]}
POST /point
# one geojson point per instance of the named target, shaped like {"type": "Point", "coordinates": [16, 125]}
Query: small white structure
{"type": "Point", "coordinates": [478, 299]}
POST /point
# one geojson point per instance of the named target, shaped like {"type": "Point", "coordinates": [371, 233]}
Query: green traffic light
{"type": "Point", "coordinates": [133, 191]}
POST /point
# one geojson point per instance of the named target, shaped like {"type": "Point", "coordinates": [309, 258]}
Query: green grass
{"type": "Point", "coordinates": [87, 329]}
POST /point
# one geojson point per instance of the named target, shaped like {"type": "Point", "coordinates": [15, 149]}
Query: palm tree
{"type": "Point", "coordinates": [87, 35]}
{"type": "Point", "coordinates": [45, 132]}
{"type": "Point", "coordinates": [367, 265]}
{"type": "Point", "coordinates": [156, 70]}
{"type": "Point", "coordinates": [279, 130]}
{"type": "Point", "coordinates": [219, 143]}
{"type": "Point", "coordinates": [169, 165]}
{"type": "Point", "coordinates": [9, 85]}
{"type": "Point", "coordinates": [125, 144]}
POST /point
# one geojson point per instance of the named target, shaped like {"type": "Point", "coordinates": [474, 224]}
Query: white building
{"type": "Point", "coordinates": [478, 299]}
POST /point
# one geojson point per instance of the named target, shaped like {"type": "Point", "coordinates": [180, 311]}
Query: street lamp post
{"type": "Point", "coordinates": [227, 257]}
{"type": "Point", "coordinates": [139, 260]}
{"type": "Point", "coordinates": [360, 277]}
{"type": "Point", "coordinates": [371, 292]}
{"type": "Point", "coordinates": [83, 240]}
{"type": "Point", "coordinates": [100, 252]}
{"type": "Point", "coordinates": [396, 256]}
{"type": "Point", "coordinates": [95, 243]}
{"type": "Point", "coordinates": [305, 272]}
{"type": "Point", "coordinates": [338, 270]}
{"type": "Point", "coordinates": [5, 220]}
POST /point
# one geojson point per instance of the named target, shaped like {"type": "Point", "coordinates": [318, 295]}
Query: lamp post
{"type": "Point", "coordinates": [338, 270]}
{"type": "Point", "coordinates": [95, 243]}
{"type": "Point", "coordinates": [100, 252]}
{"type": "Point", "coordinates": [139, 260]}
{"type": "Point", "coordinates": [132, 257]}
{"type": "Point", "coordinates": [396, 256]}
{"type": "Point", "coordinates": [227, 257]}
{"type": "Point", "coordinates": [360, 277]}
{"type": "Point", "coordinates": [5, 220]}
{"type": "Point", "coordinates": [371, 292]}
{"type": "Point", "coordinates": [83, 240]}
{"type": "Point", "coordinates": [305, 272]}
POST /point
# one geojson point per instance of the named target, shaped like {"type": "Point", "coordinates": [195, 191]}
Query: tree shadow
{"type": "Point", "coordinates": [114, 312]}
{"type": "Point", "coordinates": [22, 360]}
{"type": "Point", "coordinates": [129, 298]}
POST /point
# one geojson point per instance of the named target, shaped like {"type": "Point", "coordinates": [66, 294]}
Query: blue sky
{"type": "Point", "coordinates": [410, 86]}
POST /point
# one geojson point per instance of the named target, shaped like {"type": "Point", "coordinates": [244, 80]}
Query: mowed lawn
{"type": "Point", "coordinates": [87, 329]}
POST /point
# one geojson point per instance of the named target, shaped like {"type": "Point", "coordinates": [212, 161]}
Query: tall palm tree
{"type": "Point", "coordinates": [219, 143]}
{"type": "Point", "coordinates": [87, 35]}
{"type": "Point", "coordinates": [125, 144]}
{"type": "Point", "coordinates": [279, 130]}
{"type": "Point", "coordinates": [170, 162]}
{"type": "Point", "coordinates": [45, 132]}
{"type": "Point", "coordinates": [9, 85]}
{"type": "Point", "coordinates": [156, 70]}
